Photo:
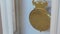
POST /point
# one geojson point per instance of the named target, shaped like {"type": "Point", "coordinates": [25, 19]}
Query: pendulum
{"type": "Point", "coordinates": [39, 16]}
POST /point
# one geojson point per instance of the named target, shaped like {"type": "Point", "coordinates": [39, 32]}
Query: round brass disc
{"type": "Point", "coordinates": [39, 19]}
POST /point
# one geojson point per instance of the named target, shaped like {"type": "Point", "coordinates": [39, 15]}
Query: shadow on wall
{"type": "Point", "coordinates": [0, 22]}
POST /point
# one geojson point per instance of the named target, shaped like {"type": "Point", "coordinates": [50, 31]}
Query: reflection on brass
{"type": "Point", "coordinates": [39, 17]}
{"type": "Point", "coordinates": [40, 4]}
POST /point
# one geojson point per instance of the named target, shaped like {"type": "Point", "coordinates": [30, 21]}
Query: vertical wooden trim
{"type": "Point", "coordinates": [58, 27]}
{"type": "Point", "coordinates": [14, 17]}
{"type": "Point", "coordinates": [54, 17]}
{"type": "Point", "coordinates": [6, 14]}
{"type": "Point", "coordinates": [4, 17]}
{"type": "Point", "coordinates": [17, 15]}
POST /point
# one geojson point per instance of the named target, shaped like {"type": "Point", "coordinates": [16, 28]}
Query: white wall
{"type": "Point", "coordinates": [25, 8]}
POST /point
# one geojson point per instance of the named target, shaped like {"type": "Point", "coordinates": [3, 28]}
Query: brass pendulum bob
{"type": "Point", "coordinates": [39, 17]}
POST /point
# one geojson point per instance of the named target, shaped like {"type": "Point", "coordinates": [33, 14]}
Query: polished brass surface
{"type": "Point", "coordinates": [40, 4]}
{"type": "Point", "coordinates": [39, 17]}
